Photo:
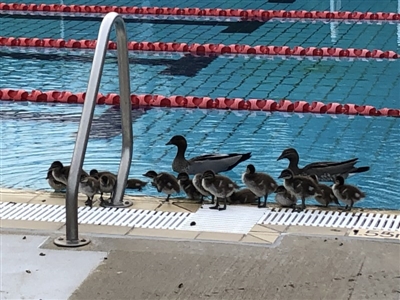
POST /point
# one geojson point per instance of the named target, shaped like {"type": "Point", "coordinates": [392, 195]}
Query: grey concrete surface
{"type": "Point", "coordinates": [297, 267]}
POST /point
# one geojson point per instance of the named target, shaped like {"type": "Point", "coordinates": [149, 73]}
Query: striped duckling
{"type": "Point", "coordinates": [53, 183]}
{"type": "Point", "coordinates": [107, 185]}
{"type": "Point", "coordinates": [164, 182]}
{"type": "Point", "coordinates": [199, 164]}
{"type": "Point", "coordinates": [187, 186]}
{"type": "Point", "coordinates": [302, 187]}
{"type": "Point", "coordinates": [285, 198]}
{"type": "Point", "coordinates": [60, 172]}
{"type": "Point", "coordinates": [131, 183]}
{"type": "Point", "coordinates": [244, 196]}
{"type": "Point", "coordinates": [218, 185]}
{"type": "Point", "coordinates": [259, 183]}
{"type": "Point", "coordinates": [347, 193]}
{"type": "Point", "coordinates": [197, 184]}
{"type": "Point", "coordinates": [89, 186]}
{"type": "Point", "coordinates": [327, 196]}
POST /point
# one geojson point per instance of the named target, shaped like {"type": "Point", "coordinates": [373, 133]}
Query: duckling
{"type": "Point", "coordinates": [218, 185]}
{"type": "Point", "coordinates": [197, 184]}
{"type": "Point", "coordinates": [61, 172]}
{"type": "Point", "coordinates": [89, 186]}
{"type": "Point", "coordinates": [186, 184]}
{"type": "Point", "coordinates": [107, 185]}
{"type": "Point", "coordinates": [327, 195]}
{"type": "Point", "coordinates": [135, 184]}
{"type": "Point", "coordinates": [325, 171]}
{"type": "Point", "coordinates": [260, 184]}
{"type": "Point", "coordinates": [199, 164]}
{"type": "Point", "coordinates": [243, 196]}
{"type": "Point", "coordinates": [300, 186]}
{"type": "Point", "coordinates": [54, 184]}
{"type": "Point", "coordinates": [164, 182]}
{"type": "Point", "coordinates": [285, 198]}
{"type": "Point", "coordinates": [347, 193]}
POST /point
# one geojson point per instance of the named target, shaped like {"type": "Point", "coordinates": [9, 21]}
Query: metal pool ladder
{"type": "Point", "coordinates": [72, 239]}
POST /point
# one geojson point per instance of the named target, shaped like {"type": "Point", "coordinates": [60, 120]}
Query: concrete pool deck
{"type": "Point", "coordinates": [121, 262]}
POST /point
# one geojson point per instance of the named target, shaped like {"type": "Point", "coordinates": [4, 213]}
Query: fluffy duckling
{"type": "Point", "coordinates": [54, 184]}
{"type": "Point", "coordinates": [61, 172]}
{"type": "Point", "coordinates": [135, 184]}
{"type": "Point", "coordinates": [300, 186]}
{"type": "Point", "coordinates": [327, 195]}
{"type": "Point", "coordinates": [107, 185]}
{"type": "Point", "coordinates": [259, 183]}
{"type": "Point", "coordinates": [89, 186]}
{"type": "Point", "coordinates": [325, 171]}
{"type": "Point", "coordinates": [199, 164]}
{"type": "Point", "coordinates": [244, 196]}
{"type": "Point", "coordinates": [197, 184]}
{"type": "Point", "coordinates": [164, 182]}
{"type": "Point", "coordinates": [285, 198]}
{"type": "Point", "coordinates": [347, 193]}
{"type": "Point", "coordinates": [218, 185]}
{"type": "Point", "coordinates": [186, 184]}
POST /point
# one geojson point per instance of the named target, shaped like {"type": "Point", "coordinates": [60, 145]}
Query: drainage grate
{"type": "Point", "coordinates": [337, 219]}
{"type": "Point", "coordinates": [97, 215]}
{"type": "Point", "coordinates": [236, 219]}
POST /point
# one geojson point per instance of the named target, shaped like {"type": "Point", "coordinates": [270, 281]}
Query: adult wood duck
{"type": "Point", "coordinates": [259, 183]}
{"type": "Point", "coordinates": [164, 182]}
{"type": "Point", "coordinates": [199, 164]}
{"type": "Point", "coordinates": [302, 187]}
{"type": "Point", "coordinates": [218, 185]}
{"type": "Point", "coordinates": [325, 171]}
{"type": "Point", "coordinates": [347, 193]}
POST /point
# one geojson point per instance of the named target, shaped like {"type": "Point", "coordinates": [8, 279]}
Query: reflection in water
{"type": "Point", "coordinates": [107, 125]}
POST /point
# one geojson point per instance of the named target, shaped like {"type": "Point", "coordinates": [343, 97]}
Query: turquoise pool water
{"type": "Point", "coordinates": [33, 135]}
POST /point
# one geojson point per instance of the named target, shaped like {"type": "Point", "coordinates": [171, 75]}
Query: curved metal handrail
{"type": "Point", "coordinates": [71, 204]}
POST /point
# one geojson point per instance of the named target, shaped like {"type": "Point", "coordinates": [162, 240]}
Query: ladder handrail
{"type": "Point", "coordinates": [87, 117]}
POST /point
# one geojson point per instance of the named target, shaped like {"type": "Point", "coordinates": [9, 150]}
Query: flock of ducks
{"type": "Point", "coordinates": [298, 183]}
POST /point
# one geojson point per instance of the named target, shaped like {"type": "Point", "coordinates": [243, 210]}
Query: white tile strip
{"type": "Point", "coordinates": [236, 219]}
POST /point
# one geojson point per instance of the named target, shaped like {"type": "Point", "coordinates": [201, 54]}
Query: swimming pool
{"type": "Point", "coordinates": [36, 134]}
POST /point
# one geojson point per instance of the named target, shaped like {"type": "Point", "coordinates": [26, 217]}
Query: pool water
{"type": "Point", "coordinates": [33, 135]}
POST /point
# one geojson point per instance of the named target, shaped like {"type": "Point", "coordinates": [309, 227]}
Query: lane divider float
{"type": "Point", "coordinates": [202, 49]}
{"type": "Point", "coordinates": [147, 100]}
{"type": "Point", "coordinates": [244, 14]}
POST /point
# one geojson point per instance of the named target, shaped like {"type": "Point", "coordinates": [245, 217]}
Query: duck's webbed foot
{"type": "Point", "coordinates": [214, 207]}
{"type": "Point", "coordinates": [222, 208]}
{"type": "Point", "coordinates": [89, 202]}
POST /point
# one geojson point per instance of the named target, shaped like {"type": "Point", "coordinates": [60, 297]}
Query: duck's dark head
{"type": "Point", "coordinates": [286, 174]}
{"type": "Point", "coordinates": [280, 189]}
{"type": "Point", "coordinates": [104, 180]}
{"type": "Point", "coordinates": [250, 169]}
{"type": "Point", "coordinates": [56, 165]}
{"type": "Point", "coordinates": [183, 176]}
{"type": "Point", "coordinates": [150, 174]}
{"type": "Point", "coordinates": [339, 180]}
{"type": "Point", "coordinates": [94, 173]}
{"type": "Point", "coordinates": [177, 140]}
{"type": "Point", "coordinates": [209, 175]}
{"type": "Point", "coordinates": [289, 153]}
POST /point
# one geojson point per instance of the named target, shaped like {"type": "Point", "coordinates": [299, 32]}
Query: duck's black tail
{"type": "Point", "coordinates": [242, 158]}
{"type": "Point", "coordinates": [359, 170]}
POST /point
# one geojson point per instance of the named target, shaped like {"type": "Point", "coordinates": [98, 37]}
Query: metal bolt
{"type": "Point", "coordinates": [60, 239]}
{"type": "Point", "coordinates": [83, 240]}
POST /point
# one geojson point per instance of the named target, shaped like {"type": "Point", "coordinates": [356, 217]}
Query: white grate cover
{"type": "Point", "coordinates": [338, 219]}
{"type": "Point", "coordinates": [235, 219]}
{"type": "Point", "coordinates": [97, 215]}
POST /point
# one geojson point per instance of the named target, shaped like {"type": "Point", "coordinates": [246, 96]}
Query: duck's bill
{"type": "Point", "coordinates": [280, 157]}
